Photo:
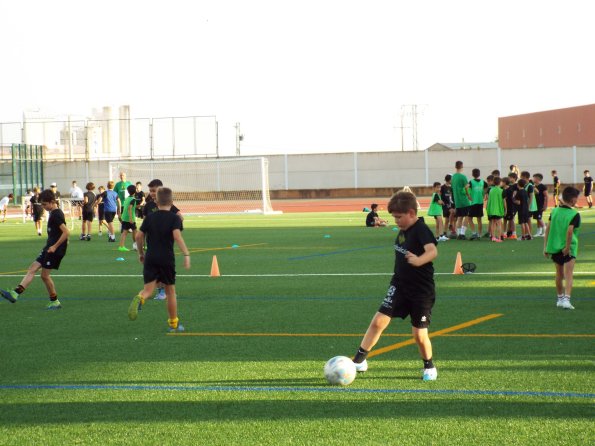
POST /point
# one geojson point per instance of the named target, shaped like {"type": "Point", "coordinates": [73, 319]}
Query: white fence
{"type": "Point", "coordinates": [364, 170]}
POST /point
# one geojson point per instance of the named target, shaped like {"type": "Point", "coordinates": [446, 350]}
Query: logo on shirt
{"type": "Point", "coordinates": [424, 319]}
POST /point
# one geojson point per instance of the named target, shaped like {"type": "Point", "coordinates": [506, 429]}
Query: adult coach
{"type": "Point", "coordinates": [462, 199]}
{"type": "Point", "coordinates": [120, 188]}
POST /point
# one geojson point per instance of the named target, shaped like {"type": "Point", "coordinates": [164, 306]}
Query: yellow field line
{"type": "Point", "coordinates": [444, 331]}
{"type": "Point", "coordinates": [14, 272]}
{"type": "Point", "coordinates": [225, 247]}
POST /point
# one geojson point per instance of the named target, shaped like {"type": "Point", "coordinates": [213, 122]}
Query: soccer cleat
{"type": "Point", "coordinates": [123, 248]}
{"type": "Point", "coordinates": [512, 237]}
{"type": "Point", "coordinates": [54, 305]}
{"type": "Point", "coordinates": [443, 238]}
{"type": "Point", "coordinates": [133, 308]}
{"type": "Point", "coordinates": [82, 237]}
{"type": "Point", "coordinates": [160, 294]}
{"type": "Point", "coordinates": [430, 374]}
{"type": "Point", "coordinates": [88, 237]}
{"type": "Point", "coordinates": [111, 239]}
{"type": "Point", "coordinates": [461, 237]}
{"type": "Point", "coordinates": [475, 237]}
{"type": "Point", "coordinates": [362, 366]}
{"type": "Point", "coordinates": [134, 247]}
{"type": "Point", "coordinates": [179, 329]}
{"type": "Point", "coordinates": [566, 304]}
{"type": "Point", "coordinates": [559, 302]}
{"type": "Point", "coordinates": [10, 296]}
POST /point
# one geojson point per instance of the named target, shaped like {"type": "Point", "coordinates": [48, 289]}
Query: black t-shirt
{"type": "Point", "coordinates": [446, 195]}
{"type": "Point", "coordinates": [88, 206]}
{"type": "Point", "coordinates": [36, 206]}
{"type": "Point", "coordinates": [370, 218]}
{"type": "Point", "coordinates": [413, 282]}
{"type": "Point", "coordinates": [158, 228]}
{"type": "Point", "coordinates": [151, 206]}
{"type": "Point", "coordinates": [540, 195]}
{"type": "Point", "coordinates": [55, 220]}
{"type": "Point", "coordinates": [556, 182]}
{"type": "Point", "coordinates": [138, 196]}
{"type": "Point", "coordinates": [522, 197]}
{"type": "Point", "coordinates": [588, 182]}
{"type": "Point", "coordinates": [510, 191]}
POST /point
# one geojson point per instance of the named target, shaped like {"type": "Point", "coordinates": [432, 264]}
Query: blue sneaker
{"type": "Point", "coordinates": [180, 329]}
{"type": "Point", "coordinates": [160, 294]}
{"type": "Point", "coordinates": [54, 305]}
{"type": "Point", "coordinates": [430, 374]}
{"type": "Point", "coordinates": [10, 296]}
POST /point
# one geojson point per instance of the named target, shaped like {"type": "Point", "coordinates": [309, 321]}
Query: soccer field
{"type": "Point", "coordinates": [295, 291]}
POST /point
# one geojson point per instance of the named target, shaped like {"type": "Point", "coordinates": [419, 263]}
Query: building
{"type": "Point", "coordinates": [565, 127]}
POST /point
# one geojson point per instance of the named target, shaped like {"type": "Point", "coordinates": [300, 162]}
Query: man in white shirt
{"type": "Point", "coordinates": [76, 199]}
{"type": "Point", "coordinates": [3, 205]}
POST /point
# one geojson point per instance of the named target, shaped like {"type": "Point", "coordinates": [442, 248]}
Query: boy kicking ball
{"type": "Point", "coordinates": [51, 255]}
{"type": "Point", "coordinates": [411, 291]}
{"type": "Point", "coordinates": [161, 228]}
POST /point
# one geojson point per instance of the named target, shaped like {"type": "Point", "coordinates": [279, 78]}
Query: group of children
{"type": "Point", "coordinates": [411, 291]}
{"type": "Point", "coordinates": [461, 203]}
{"type": "Point", "coordinates": [161, 227]}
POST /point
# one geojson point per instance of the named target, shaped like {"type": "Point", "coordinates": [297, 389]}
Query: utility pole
{"type": "Point", "coordinates": [411, 112]}
{"type": "Point", "coordinates": [239, 138]}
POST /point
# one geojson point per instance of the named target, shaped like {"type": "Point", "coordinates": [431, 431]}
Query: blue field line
{"type": "Point", "coordinates": [332, 253]}
{"type": "Point", "coordinates": [377, 297]}
{"type": "Point", "coordinates": [294, 389]}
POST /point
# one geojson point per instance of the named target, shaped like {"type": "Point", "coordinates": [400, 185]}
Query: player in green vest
{"type": "Point", "coordinates": [128, 219]}
{"type": "Point", "coordinates": [477, 188]}
{"type": "Point", "coordinates": [435, 210]}
{"type": "Point", "coordinates": [496, 209]}
{"type": "Point", "coordinates": [561, 242]}
{"type": "Point", "coordinates": [462, 200]}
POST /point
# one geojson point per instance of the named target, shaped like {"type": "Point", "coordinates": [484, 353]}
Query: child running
{"type": "Point", "coordinates": [50, 256]}
{"type": "Point", "coordinates": [88, 211]}
{"type": "Point", "coordinates": [161, 229]}
{"type": "Point", "coordinates": [128, 219]}
{"type": "Point", "coordinates": [411, 291]}
{"type": "Point", "coordinates": [561, 243]}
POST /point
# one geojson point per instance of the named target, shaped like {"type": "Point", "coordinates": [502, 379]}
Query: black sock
{"type": "Point", "coordinates": [53, 298]}
{"type": "Point", "coordinates": [360, 356]}
{"type": "Point", "coordinates": [19, 289]}
{"type": "Point", "coordinates": [428, 364]}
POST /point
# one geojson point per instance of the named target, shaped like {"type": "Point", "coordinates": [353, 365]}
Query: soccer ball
{"type": "Point", "coordinates": [340, 370]}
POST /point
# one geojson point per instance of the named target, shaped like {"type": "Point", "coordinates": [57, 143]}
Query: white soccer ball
{"type": "Point", "coordinates": [340, 370]}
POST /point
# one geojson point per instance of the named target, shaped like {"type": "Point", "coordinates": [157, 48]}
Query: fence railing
{"type": "Point", "coordinates": [96, 139]}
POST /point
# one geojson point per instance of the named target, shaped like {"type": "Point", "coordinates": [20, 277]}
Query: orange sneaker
{"type": "Point", "coordinates": [512, 237]}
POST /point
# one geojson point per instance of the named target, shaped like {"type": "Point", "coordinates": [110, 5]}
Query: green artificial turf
{"type": "Point", "coordinates": [249, 369]}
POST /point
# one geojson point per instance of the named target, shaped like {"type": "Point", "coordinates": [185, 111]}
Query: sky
{"type": "Point", "coordinates": [302, 76]}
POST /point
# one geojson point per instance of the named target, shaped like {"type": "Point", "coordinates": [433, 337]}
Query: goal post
{"type": "Point", "coordinates": [209, 186]}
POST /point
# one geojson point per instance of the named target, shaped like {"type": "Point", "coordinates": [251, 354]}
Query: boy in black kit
{"type": "Point", "coordinates": [51, 255]}
{"type": "Point", "coordinates": [411, 291]}
{"type": "Point", "coordinates": [448, 208]}
{"type": "Point", "coordinates": [161, 228]}
{"type": "Point", "coordinates": [521, 200]}
{"type": "Point", "coordinates": [150, 207]}
{"type": "Point", "coordinates": [541, 198]}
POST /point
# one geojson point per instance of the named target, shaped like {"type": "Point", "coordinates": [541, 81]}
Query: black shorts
{"type": "Point", "coordinates": [523, 218]}
{"type": "Point", "coordinates": [164, 273]}
{"type": "Point", "coordinates": [494, 217]}
{"type": "Point", "coordinates": [476, 210]}
{"type": "Point", "coordinates": [446, 211]}
{"type": "Point", "coordinates": [37, 216]}
{"type": "Point", "coordinates": [561, 259]}
{"type": "Point", "coordinates": [510, 215]}
{"type": "Point", "coordinates": [537, 215]}
{"type": "Point", "coordinates": [420, 309]}
{"type": "Point", "coordinates": [109, 216]}
{"type": "Point", "coordinates": [100, 213]}
{"type": "Point", "coordinates": [51, 260]}
{"type": "Point", "coordinates": [139, 212]}
{"type": "Point", "coordinates": [587, 191]}
{"type": "Point", "coordinates": [88, 215]}
{"type": "Point", "coordinates": [127, 226]}
{"type": "Point", "coordinates": [463, 212]}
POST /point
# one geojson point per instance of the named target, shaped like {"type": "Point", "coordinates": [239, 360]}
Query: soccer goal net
{"type": "Point", "coordinates": [221, 186]}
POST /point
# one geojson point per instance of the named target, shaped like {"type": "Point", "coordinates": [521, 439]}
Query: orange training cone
{"type": "Point", "coordinates": [458, 264]}
{"type": "Point", "coordinates": [215, 268]}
